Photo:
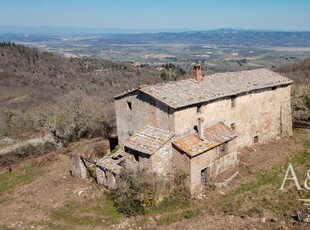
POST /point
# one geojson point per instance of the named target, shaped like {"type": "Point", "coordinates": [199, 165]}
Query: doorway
{"type": "Point", "coordinates": [204, 176]}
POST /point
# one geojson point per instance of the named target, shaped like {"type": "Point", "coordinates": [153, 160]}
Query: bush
{"type": "Point", "coordinates": [15, 123]}
{"type": "Point", "coordinates": [75, 116]}
{"type": "Point", "coordinates": [139, 190]}
{"type": "Point", "coordinates": [301, 103]}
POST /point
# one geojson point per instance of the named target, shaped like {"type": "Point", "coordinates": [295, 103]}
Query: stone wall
{"type": "Point", "coordinates": [106, 178]}
{"type": "Point", "coordinates": [144, 159]}
{"type": "Point", "coordinates": [215, 164]}
{"type": "Point", "coordinates": [210, 159]}
{"type": "Point", "coordinates": [144, 111]}
{"type": "Point", "coordinates": [265, 113]}
{"type": "Point", "coordinates": [253, 114]}
{"type": "Point", "coordinates": [181, 162]}
{"type": "Point", "coordinates": [162, 159]}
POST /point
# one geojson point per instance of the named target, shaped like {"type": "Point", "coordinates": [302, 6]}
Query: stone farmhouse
{"type": "Point", "coordinates": [197, 125]}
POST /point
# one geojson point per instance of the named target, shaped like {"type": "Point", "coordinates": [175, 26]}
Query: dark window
{"type": "Point", "coordinates": [223, 149]}
{"type": "Point", "coordinates": [256, 139]}
{"type": "Point", "coordinates": [233, 102]}
{"type": "Point", "coordinates": [233, 126]}
{"type": "Point", "coordinates": [204, 176]}
{"type": "Point", "coordinates": [198, 108]}
{"type": "Point", "coordinates": [129, 105]}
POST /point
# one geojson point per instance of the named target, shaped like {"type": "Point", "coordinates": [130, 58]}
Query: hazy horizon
{"type": "Point", "coordinates": [97, 30]}
{"type": "Point", "coordinates": [160, 15]}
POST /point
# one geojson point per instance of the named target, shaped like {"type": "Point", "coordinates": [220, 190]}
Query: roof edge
{"type": "Point", "coordinates": [164, 143]}
{"type": "Point", "coordinates": [124, 94]}
{"type": "Point", "coordinates": [216, 98]}
{"type": "Point", "coordinates": [128, 140]}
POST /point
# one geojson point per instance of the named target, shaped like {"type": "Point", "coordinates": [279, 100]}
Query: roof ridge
{"type": "Point", "coordinates": [188, 92]}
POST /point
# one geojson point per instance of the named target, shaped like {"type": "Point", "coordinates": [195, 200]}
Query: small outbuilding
{"type": "Point", "coordinates": [205, 156]}
{"type": "Point", "coordinates": [151, 148]}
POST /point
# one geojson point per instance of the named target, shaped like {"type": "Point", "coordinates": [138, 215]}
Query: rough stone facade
{"type": "Point", "coordinates": [104, 169]}
{"type": "Point", "coordinates": [106, 178]}
{"type": "Point", "coordinates": [207, 156]}
{"type": "Point", "coordinates": [162, 159]}
{"type": "Point", "coordinates": [137, 110]}
{"type": "Point", "coordinates": [151, 147]}
{"type": "Point", "coordinates": [237, 109]}
{"type": "Point", "coordinates": [210, 160]}
{"type": "Point", "coordinates": [264, 113]}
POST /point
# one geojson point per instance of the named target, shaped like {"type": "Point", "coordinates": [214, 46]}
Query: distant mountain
{"type": "Point", "coordinates": [79, 30]}
{"type": "Point", "coordinates": [220, 37]}
{"type": "Point", "coordinates": [118, 36]}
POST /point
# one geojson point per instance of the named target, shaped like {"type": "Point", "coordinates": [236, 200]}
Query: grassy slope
{"type": "Point", "coordinates": [255, 198]}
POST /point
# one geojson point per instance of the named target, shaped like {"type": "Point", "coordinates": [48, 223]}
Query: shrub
{"type": "Point", "coordinates": [139, 190]}
{"type": "Point", "coordinates": [75, 116]}
{"type": "Point", "coordinates": [15, 123]}
{"type": "Point", "coordinates": [301, 103]}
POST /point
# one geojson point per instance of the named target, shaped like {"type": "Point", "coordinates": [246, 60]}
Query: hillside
{"type": "Point", "coordinates": [36, 84]}
{"type": "Point", "coordinates": [46, 196]}
{"type": "Point", "coordinates": [299, 73]}
{"type": "Point", "coordinates": [218, 50]}
{"type": "Point", "coordinates": [74, 98]}
{"type": "Point", "coordinates": [31, 70]}
{"type": "Point", "coordinates": [33, 83]}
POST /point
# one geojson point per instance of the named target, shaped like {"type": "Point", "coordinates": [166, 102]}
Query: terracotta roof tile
{"type": "Point", "coordinates": [214, 136]}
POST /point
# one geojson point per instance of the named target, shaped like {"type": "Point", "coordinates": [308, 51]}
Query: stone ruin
{"type": "Point", "coordinates": [104, 169]}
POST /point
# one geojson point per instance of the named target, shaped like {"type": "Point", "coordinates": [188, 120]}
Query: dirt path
{"type": "Point", "coordinates": [35, 201]}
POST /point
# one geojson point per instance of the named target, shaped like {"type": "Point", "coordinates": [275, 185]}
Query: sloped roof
{"type": "Point", "coordinates": [125, 93]}
{"type": "Point", "coordinates": [187, 92]}
{"type": "Point", "coordinates": [214, 136]}
{"type": "Point", "coordinates": [112, 163]}
{"type": "Point", "coordinates": [148, 139]}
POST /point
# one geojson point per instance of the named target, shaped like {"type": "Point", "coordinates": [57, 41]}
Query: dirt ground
{"type": "Point", "coordinates": [252, 160]}
{"type": "Point", "coordinates": [34, 201]}
{"type": "Point", "coordinates": [51, 190]}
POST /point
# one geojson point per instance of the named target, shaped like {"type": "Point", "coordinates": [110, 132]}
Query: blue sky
{"type": "Point", "coordinates": [158, 14]}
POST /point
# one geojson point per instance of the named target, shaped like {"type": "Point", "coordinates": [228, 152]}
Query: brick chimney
{"type": "Point", "coordinates": [200, 128]}
{"type": "Point", "coordinates": [197, 72]}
